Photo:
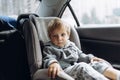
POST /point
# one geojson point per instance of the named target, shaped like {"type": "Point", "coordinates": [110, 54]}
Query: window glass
{"type": "Point", "coordinates": [16, 7]}
{"type": "Point", "coordinates": [67, 16]}
{"type": "Point", "coordinates": [95, 11]}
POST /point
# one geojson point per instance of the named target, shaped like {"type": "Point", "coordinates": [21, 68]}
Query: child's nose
{"type": "Point", "coordinates": [59, 37]}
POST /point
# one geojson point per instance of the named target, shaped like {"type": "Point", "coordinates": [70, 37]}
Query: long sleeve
{"type": "Point", "coordinates": [66, 56]}
{"type": "Point", "coordinates": [82, 56]}
{"type": "Point", "coordinates": [48, 57]}
{"type": "Point", "coordinates": [85, 57]}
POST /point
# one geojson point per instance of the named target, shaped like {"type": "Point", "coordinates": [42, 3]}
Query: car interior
{"type": "Point", "coordinates": [21, 46]}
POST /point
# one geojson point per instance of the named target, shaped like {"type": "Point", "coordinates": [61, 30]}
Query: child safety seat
{"type": "Point", "coordinates": [34, 30]}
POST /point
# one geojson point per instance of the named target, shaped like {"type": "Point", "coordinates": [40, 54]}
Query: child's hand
{"type": "Point", "coordinates": [53, 70]}
{"type": "Point", "coordinates": [96, 59]}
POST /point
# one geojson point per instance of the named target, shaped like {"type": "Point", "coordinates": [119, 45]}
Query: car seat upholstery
{"type": "Point", "coordinates": [35, 34]}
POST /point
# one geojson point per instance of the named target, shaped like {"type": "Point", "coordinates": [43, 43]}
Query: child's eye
{"type": "Point", "coordinates": [54, 35]}
{"type": "Point", "coordinates": [63, 34]}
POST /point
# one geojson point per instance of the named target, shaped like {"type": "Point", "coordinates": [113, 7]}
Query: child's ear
{"type": "Point", "coordinates": [68, 36]}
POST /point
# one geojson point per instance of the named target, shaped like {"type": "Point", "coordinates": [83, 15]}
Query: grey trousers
{"type": "Point", "coordinates": [42, 74]}
{"type": "Point", "coordinates": [79, 71]}
{"type": "Point", "coordinates": [84, 71]}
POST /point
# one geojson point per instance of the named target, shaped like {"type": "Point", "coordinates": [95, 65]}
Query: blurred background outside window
{"type": "Point", "coordinates": [16, 7]}
{"type": "Point", "coordinates": [95, 11]}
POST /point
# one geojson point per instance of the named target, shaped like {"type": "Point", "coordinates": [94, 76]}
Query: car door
{"type": "Point", "coordinates": [103, 42]}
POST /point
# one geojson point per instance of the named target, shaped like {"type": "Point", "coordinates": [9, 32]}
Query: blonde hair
{"type": "Point", "coordinates": [57, 23]}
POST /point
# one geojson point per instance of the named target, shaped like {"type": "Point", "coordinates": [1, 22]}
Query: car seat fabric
{"type": "Point", "coordinates": [33, 47]}
{"type": "Point", "coordinates": [35, 32]}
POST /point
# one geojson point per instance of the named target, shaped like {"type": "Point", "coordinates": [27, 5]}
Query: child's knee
{"type": "Point", "coordinates": [82, 67]}
{"type": "Point", "coordinates": [100, 66]}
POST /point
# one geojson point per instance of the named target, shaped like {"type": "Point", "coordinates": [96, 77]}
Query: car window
{"type": "Point", "coordinates": [67, 16]}
{"type": "Point", "coordinates": [95, 12]}
{"type": "Point", "coordinates": [16, 7]}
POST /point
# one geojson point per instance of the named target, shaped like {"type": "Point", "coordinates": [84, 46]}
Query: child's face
{"type": "Point", "coordinates": [59, 37]}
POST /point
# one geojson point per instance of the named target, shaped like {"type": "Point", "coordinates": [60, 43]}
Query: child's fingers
{"type": "Point", "coordinates": [50, 72]}
{"type": "Point", "coordinates": [54, 73]}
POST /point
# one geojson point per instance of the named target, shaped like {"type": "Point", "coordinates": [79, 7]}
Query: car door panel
{"type": "Point", "coordinates": [102, 42]}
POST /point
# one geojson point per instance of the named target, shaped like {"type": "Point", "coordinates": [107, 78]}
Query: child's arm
{"type": "Point", "coordinates": [85, 57]}
{"type": "Point", "coordinates": [96, 59]}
